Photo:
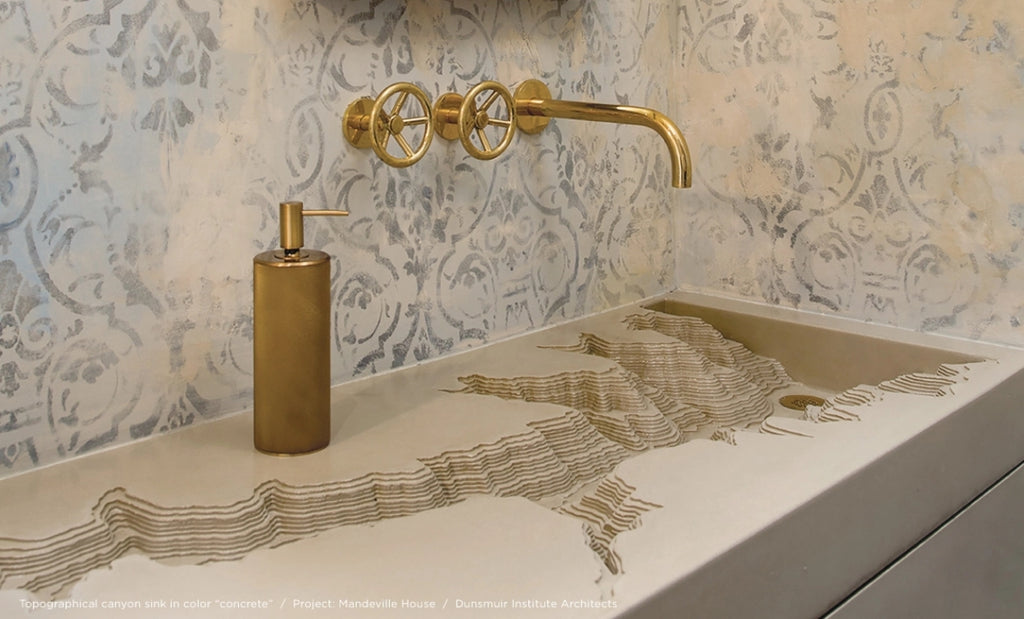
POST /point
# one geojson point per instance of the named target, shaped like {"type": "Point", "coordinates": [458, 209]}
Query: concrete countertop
{"type": "Point", "coordinates": [436, 498]}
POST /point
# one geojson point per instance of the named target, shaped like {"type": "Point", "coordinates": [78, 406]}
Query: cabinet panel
{"type": "Point", "coordinates": [973, 566]}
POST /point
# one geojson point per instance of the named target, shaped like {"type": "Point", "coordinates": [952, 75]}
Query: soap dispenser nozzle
{"type": "Point", "coordinates": [291, 341]}
{"type": "Point", "coordinates": [292, 236]}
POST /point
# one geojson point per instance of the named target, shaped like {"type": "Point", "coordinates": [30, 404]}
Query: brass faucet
{"type": "Point", "coordinates": [368, 125]}
{"type": "Point", "coordinates": [534, 107]}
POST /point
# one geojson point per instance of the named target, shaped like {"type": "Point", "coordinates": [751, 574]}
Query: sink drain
{"type": "Point", "coordinates": [799, 402]}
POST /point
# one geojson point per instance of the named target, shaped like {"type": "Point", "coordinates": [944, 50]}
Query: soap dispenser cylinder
{"type": "Point", "coordinates": [291, 343]}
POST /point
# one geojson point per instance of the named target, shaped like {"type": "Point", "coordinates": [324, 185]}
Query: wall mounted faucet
{"type": "Point", "coordinates": [471, 118]}
{"type": "Point", "coordinates": [535, 107]}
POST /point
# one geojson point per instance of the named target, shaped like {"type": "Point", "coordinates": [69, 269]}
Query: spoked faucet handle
{"type": "Point", "coordinates": [368, 125]}
{"type": "Point", "coordinates": [471, 118]}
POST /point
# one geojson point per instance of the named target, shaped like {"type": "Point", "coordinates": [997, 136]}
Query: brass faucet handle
{"type": "Point", "coordinates": [470, 117]}
{"type": "Point", "coordinates": [368, 125]}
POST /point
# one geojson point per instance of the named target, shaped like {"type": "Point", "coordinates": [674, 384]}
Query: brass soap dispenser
{"type": "Point", "coordinates": [291, 342]}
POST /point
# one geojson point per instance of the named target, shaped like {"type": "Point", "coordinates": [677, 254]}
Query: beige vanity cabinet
{"type": "Point", "coordinates": [972, 566]}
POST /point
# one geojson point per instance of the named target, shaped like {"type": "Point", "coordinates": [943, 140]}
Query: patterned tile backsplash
{"type": "Point", "coordinates": [145, 144]}
{"type": "Point", "coordinates": [860, 157]}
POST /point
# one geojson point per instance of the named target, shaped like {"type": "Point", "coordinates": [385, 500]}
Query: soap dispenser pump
{"type": "Point", "coordinates": [291, 342]}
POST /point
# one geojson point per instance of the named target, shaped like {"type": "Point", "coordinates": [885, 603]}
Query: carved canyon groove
{"type": "Point", "coordinates": [660, 395]}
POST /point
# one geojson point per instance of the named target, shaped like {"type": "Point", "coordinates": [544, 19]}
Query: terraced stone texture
{"type": "Point", "coordinates": [656, 396]}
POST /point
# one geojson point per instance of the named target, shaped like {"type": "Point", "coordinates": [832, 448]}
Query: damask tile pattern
{"type": "Point", "coordinates": [860, 158]}
{"type": "Point", "coordinates": [145, 144]}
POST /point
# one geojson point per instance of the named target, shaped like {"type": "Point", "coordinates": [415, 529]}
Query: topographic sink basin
{"type": "Point", "coordinates": [829, 358]}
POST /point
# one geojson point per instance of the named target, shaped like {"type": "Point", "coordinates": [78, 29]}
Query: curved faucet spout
{"type": "Point", "coordinates": [534, 106]}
